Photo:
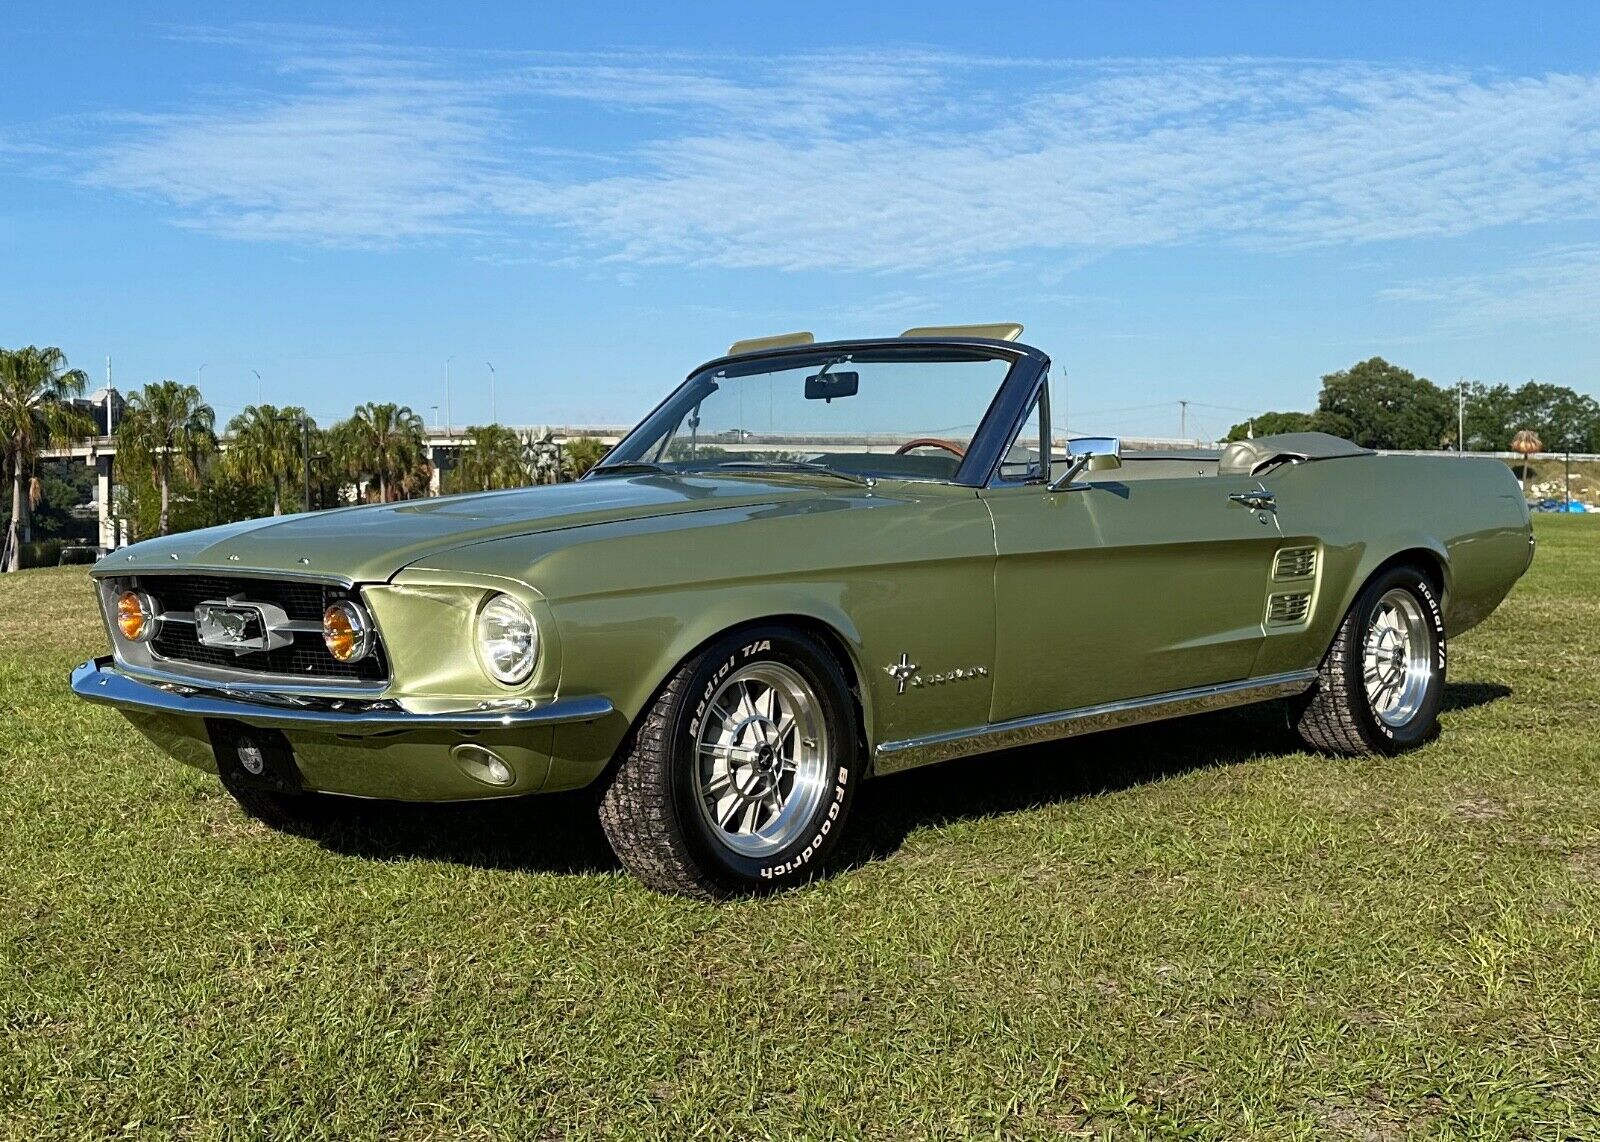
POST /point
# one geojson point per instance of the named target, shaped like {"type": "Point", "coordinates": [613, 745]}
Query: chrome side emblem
{"type": "Point", "coordinates": [906, 673]}
{"type": "Point", "coordinates": [902, 671]}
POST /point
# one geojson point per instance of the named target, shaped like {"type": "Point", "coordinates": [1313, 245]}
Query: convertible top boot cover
{"type": "Point", "coordinates": [1249, 457]}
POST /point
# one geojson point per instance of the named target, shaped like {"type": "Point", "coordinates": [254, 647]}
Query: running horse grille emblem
{"type": "Point", "coordinates": [242, 627]}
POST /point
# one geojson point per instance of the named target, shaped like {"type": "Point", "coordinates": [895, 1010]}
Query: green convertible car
{"type": "Point", "coordinates": [812, 564]}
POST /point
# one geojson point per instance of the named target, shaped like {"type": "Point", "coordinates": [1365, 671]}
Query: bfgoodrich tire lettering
{"type": "Point", "coordinates": [1380, 684]}
{"type": "Point", "coordinates": [739, 776]}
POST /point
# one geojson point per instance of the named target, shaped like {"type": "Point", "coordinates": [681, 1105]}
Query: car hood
{"type": "Point", "coordinates": [372, 542]}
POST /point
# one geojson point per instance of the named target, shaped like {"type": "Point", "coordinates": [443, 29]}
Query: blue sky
{"type": "Point", "coordinates": [1215, 203]}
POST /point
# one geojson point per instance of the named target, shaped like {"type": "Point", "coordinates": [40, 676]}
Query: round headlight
{"type": "Point", "coordinates": [346, 631]}
{"type": "Point", "coordinates": [508, 640]}
{"type": "Point", "coordinates": [137, 616]}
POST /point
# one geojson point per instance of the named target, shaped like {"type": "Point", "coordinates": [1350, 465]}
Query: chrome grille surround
{"type": "Point", "coordinates": [300, 663]}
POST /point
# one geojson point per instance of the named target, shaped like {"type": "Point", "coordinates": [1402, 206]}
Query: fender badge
{"type": "Point", "coordinates": [901, 671]}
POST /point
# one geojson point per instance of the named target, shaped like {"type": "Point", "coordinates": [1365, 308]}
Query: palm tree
{"type": "Point", "coordinates": [383, 442]}
{"type": "Point", "coordinates": [36, 390]}
{"type": "Point", "coordinates": [583, 453]}
{"type": "Point", "coordinates": [543, 457]}
{"type": "Point", "coordinates": [493, 460]}
{"type": "Point", "coordinates": [170, 427]}
{"type": "Point", "coordinates": [266, 447]}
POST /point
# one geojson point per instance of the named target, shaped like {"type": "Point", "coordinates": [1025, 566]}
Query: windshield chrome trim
{"type": "Point", "coordinates": [993, 433]}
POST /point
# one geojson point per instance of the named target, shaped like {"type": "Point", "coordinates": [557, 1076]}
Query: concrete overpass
{"type": "Point", "coordinates": [440, 446]}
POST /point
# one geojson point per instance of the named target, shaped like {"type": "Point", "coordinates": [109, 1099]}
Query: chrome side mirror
{"type": "Point", "coordinates": [1088, 454]}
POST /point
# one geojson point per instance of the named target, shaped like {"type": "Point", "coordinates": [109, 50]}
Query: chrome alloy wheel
{"type": "Point", "coordinates": [1397, 658]}
{"type": "Point", "coordinates": [761, 759]}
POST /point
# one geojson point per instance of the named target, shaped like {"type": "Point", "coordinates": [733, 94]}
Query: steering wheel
{"type": "Point", "coordinates": [932, 442]}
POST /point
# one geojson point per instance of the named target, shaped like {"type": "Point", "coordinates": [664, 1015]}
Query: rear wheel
{"type": "Point", "coordinates": [739, 776]}
{"type": "Point", "coordinates": [1382, 680]}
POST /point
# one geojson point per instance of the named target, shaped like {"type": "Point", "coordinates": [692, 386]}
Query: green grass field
{"type": "Point", "coordinates": [1191, 930]}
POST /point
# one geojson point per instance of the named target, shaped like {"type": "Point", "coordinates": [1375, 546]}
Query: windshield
{"type": "Point", "coordinates": [882, 413]}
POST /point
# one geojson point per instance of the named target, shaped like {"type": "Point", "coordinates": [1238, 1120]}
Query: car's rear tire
{"type": "Point", "coordinates": [739, 776]}
{"type": "Point", "coordinates": [1380, 685]}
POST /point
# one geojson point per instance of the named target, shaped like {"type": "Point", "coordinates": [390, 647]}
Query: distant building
{"type": "Point", "coordinates": [105, 406]}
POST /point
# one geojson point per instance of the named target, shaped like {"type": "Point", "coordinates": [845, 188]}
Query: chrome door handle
{"type": "Point", "coordinates": [1261, 501]}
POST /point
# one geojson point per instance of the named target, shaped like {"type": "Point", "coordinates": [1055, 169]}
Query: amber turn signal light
{"type": "Point", "coordinates": [346, 631]}
{"type": "Point", "coordinates": [136, 616]}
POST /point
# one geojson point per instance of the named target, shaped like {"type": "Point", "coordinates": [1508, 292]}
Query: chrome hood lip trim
{"type": "Point", "coordinates": [97, 680]}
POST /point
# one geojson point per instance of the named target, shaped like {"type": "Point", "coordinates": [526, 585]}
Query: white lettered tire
{"type": "Point", "coordinates": [1381, 683]}
{"type": "Point", "coordinates": [739, 776]}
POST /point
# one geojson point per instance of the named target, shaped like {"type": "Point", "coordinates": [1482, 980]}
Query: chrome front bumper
{"type": "Point", "coordinates": [98, 680]}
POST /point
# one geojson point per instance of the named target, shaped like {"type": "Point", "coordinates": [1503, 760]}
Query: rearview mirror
{"type": "Point", "coordinates": [1089, 454]}
{"type": "Point", "coordinates": [826, 386]}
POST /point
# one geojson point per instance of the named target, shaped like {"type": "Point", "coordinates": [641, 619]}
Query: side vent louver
{"type": "Point", "coordinates": [1288, 609]}
{"type": "Point", "coordinates": [1295, 563]}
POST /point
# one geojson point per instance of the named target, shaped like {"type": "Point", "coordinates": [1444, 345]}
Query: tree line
{"type": "Point", "coordinates": [174, 475]}
{"type": "Point", "coordinates": [1379, 405]}
{"type": "Point", "coordinates": [173, 472]}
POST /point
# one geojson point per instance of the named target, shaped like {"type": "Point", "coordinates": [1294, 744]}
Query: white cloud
{"type": "Point", "coordinates": [893, 162]}
{"type": "Point", "coordinates": [1557, 285]}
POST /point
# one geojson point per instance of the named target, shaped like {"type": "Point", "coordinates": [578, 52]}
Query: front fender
{"type": "Point", "coordinates": [627, 649]}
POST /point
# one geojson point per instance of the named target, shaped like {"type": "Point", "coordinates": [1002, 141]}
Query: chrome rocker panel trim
{"type": "Point", "coordinates": [890, 757]}
{"type": "Point", "coordinates": [98, 681]}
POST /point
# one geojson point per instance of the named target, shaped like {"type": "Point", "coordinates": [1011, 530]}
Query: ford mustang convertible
{"type": "Point", "coordinates": [814, 563]}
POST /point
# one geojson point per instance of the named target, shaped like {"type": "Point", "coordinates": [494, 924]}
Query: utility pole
{"type": "Point", "coordinates": [1183, 420]}
{"type": "Point", "coordinates": [493, 417]}
{"type": "Point", "coordinates": [448, 420]}
{"type": "Point", "coordinates": [108, 394]}
{"type": "Point", "coordinates": [305, 455]}
{"type": "Point", "coordinates": [258, 388]}
{"type": "Point", "coordinates": [1461, 416]}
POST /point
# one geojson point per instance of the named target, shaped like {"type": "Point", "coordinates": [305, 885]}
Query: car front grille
{"type": "Point", "coordinates": [305, 657]}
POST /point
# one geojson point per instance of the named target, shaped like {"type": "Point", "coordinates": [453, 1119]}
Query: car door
{"type": "Point", "coordinates": [1125, 587]}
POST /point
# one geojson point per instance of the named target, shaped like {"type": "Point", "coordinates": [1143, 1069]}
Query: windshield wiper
{"type": "Point", "coordinates": [628, 466]}
{"type": "Point", "coordinates": [799, 466]}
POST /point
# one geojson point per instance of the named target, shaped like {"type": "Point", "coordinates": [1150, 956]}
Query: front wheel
{"type": "Point", "coordinates": [1382, 680]}
{"type": "Point", "coordinates": [739, 776]}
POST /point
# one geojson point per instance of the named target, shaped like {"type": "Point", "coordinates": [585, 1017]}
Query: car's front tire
{"type": "Point", "coordinates": [739, 776]}
{"type": "Point", "coordinates": [1380, 685]}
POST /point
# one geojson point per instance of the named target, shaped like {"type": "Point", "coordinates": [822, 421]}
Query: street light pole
{"type": "Point", "coordinates": [258, 387]}
{"type": "Point", "coordinates": [200, 376]}
{"type": "Point", "coordinates": [493, 416]}
{"type": "Point", "coordinates": [448, 419]}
